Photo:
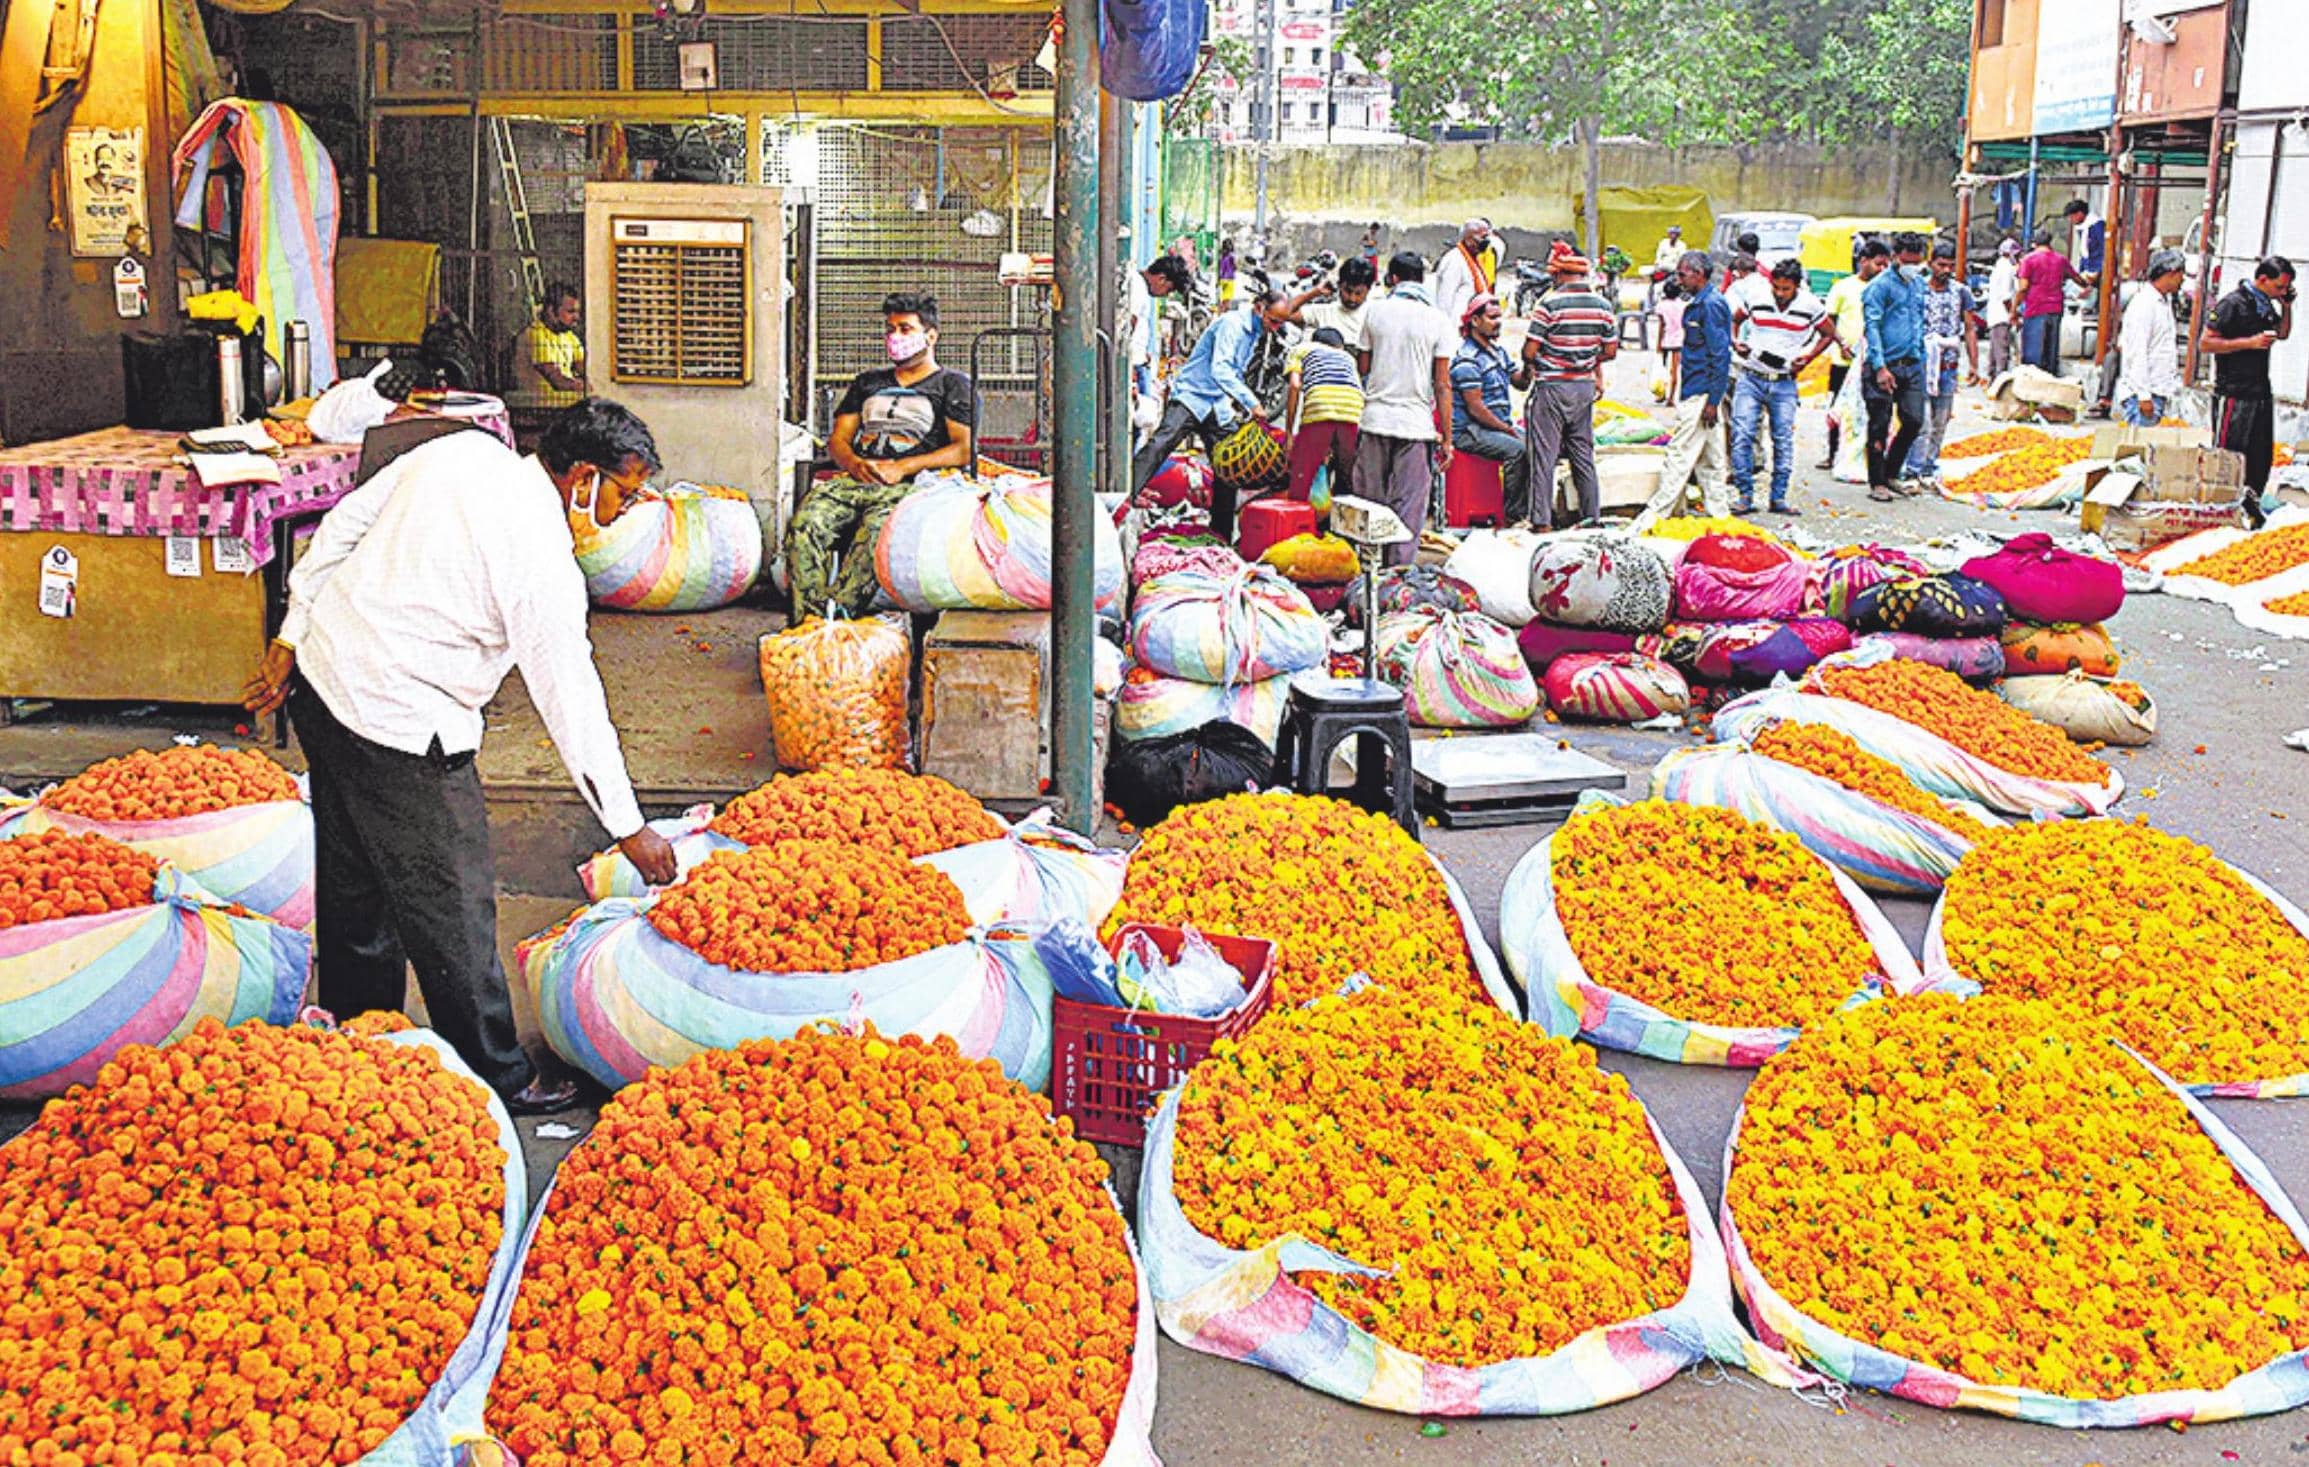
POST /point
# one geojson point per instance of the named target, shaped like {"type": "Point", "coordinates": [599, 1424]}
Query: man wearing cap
{"type": "Point", "coordinates": [2003, 284]}
{"type": "Point", "coordinates": [1574, 331]}
{"type": "Point", "coordinates": [1482, 408]}
{"type": "Point", "coordinates": [2149, 372]}
{"type": "Point", "coordinates": [1671, 250]}
{"type": "Point", "coordinates": [1468, 269]}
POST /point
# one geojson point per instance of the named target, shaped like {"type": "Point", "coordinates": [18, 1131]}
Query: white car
{"type": "Point", "coordinates": [1780, 235]}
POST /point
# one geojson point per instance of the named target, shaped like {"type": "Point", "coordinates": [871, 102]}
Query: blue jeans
{"type": "Point", "coordinates": [1752, 397]}
{"type": "Point", "coordinates": [2040, 341]}
{"type": "Point", "coordinates": [2129, 409]}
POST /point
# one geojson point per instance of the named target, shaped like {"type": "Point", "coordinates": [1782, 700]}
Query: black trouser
{"type": "Point", "coordinates": [1177, 422]}
{"type": "Point", "coordinates": [2248, 426]}
{"type": "Point", "coordinates": [1837, 372]}
{"type": "Point", "coordinates": [1886, 461]}
{"type": "Point", "coordinates": [404, 875]}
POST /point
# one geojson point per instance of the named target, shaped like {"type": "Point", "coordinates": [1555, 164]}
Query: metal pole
{"type": "Point", "coordinates": [1074, 416]}
{"type": "Point", "coordinates": [2204, 312]}
{"type": "Point", "coordinates": [1267, 100]}
{"type": "Point", "coordinates": [473, 199]}
{"type": "Point", "coordinates": [2028, 223]}
{"type": "Point", "coordinates": [1113, 171]}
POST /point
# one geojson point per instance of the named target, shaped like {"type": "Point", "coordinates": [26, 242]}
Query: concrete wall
{"type": "Point", "coordinates": [1328, 193]}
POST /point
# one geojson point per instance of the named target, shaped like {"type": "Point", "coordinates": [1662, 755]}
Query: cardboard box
{"type": "Point", "coordinates": [2108, 441]}
{"type": "Point", "coordinates": [2029, 392]}
{"type": "Point", "coordinates": [985, 707]}
{"type": "Point", "coordinates": [2131, 509]}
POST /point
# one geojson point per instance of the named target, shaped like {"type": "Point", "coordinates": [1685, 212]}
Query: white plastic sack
{"type": "Point", "coordinates": [1497, 563]}
{"type": "Point", "coordinates": [2082, 707]}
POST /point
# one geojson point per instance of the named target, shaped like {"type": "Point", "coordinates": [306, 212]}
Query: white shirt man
{"type": "Point", "coordinates": [2149, 365]}
{"type": "Point", "coordinates": [1670, 251]}
{"type": "Point", "coordinates": [1407, 349]}
{"type": "Point", "coordinates": [1468, 269]}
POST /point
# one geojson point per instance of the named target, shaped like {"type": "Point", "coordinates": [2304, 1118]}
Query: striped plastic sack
{"type": "Point", "coordinates": [615, 996]}
{"type": "Point", "coordinates": [1249, 1306]}
{"type": "Point", "coordinates": [255, 856]}
{"type": "Point", "coordinates": [1615, 687]}
{"type": "Point", "coordinates": [692, 547]}
{"type": "Point", "coordinates": [1939, 969]}
{"type": "Point", "coordinates": [75, 991]}
{"type": "Point", "coordinates": [1456, 669]}
{"type": "Point", "coordinates": [1229, 630]}
{"type": "Point", "coordinates": [1930, 761]}
{"type": "Point", "coordinates": [1561, 995]}
{"type": "Point", "coordinates": [2279, 1385]}
{"type": "Point", "coordinates": [1151, 706]}
{"type": "Point", "coordinates": [447, 1426]}
{"type": "Point", "coordinates": [961, 543]}
{"type": "Point", "coordinates": [1880, 846]}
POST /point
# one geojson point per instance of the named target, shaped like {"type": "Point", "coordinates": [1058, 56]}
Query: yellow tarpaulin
{"type": "Point", "coordinates": [385, 290]}
{"type": "Point", "coordinates": [1637, 219]}
{"type": "Point", "coordinates": [1827, 243]}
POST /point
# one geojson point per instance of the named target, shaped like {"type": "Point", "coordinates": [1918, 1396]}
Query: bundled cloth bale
{"type": "Point", "coordinates": [1402, 587]}
{"type": "Point", "coordinates": [1146, 779]}
{"type": "Point", "coordinates": [1840, 577]}
{"type": "Point", "coordinates": [1752, 653]}
{"type": "Point", "coordinates": [1542, 642]}
{"type": "Point", "coordinates": [1739, 578]}
{"type": "Point", "coordinates": [2049, 650]}
{"type": "Point", "coordinates": [1457, 669]}
{"type": "Point", "coordinates": [1975, 659]}
{"type": "Point", "coordinates": [1621, 687]}
{"type": "Point", "coordinates": [1151, 706]}
{"type": "Point", "coordinates": [1929, 606]}
{"type": "Point", "coordinates": [1497, 563]}
{"type": "Point", "coordinates": [2091, 710]}
{"type": "Point", "coordinates": [1167, 552]}
{"type": "Point", "coordinates": [1609, 582]}
{"type": "Point", "coordinates": [961, 544]}
{"type": "Point", "coordinates": [691, 547]}
{"type": "Point", "coordinates": [1240, 628]}
{"type": "Point", "coordinates": [1181, 480]}
{"type": "Point", "coordinates": [2040, 582]}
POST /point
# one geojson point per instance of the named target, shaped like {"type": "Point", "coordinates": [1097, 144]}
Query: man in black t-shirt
{"type": "Point", "coordinates": [894, 423]}
{"type": "Point", "coordinates": [2245, 325]}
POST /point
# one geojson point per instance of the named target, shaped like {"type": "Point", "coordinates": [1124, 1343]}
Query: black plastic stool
{"type": "Point", "coordinates": [1323, 714]}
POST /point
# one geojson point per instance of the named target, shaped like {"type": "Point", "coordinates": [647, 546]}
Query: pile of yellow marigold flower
{"type": "Point", "coordinates": [911, 814]}
{"type": "Point", "coordinates": [1836, 756]}
{"type": "Point", "coordinates": [1512, 1191]}
{"type": "Point", "coordinates": [1985, 1187]}
{"type": "Point", "coordinates": [1341, 891]}
{"type": "Point", "coordinates": [810, 906]}
{"type": "Point", "coordinates": [2296, 604]}
{"type": "Point", "coordinates": [1980, 723]}
{"type": "Point", "coordinates": [2254, 558]}
{"type": "Point", "coordinates": [1996, 440]}
{"type": "Point", "coordinates": [2028, 467]}
{"type": "Point", "coordinates": [1706, 915]}
{"type": "Point", "coordinates": [826, 1249]}
{"type": "Point", "coordinates": [257, 1246]}
{"type": "Point", "coordinates": [1693, 526]}
{"type": "Point", "coordinates": [2149, 935]}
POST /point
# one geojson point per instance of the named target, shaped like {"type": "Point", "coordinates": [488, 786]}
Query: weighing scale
{"type": "Point", "coordinates": [1482, 780]}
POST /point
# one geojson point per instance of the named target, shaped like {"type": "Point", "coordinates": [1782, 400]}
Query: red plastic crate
{"type": "Point", "coordinates": [1473, 494]}
{"type": "Point", "coordinates": [1109, 1067]}
{"type": "Point", "coordinates": [1271, 521]}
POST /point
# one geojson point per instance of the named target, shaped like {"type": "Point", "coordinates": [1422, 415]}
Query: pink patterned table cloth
{"type": "Point", "coordinates": [125, 481]}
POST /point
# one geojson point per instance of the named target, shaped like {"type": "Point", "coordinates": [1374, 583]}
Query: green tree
{"type": "Point", "coordinates": [1191, 112]}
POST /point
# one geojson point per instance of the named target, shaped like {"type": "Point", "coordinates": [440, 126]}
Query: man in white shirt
{"type": "Point", "coordinates": [2150, 358]}
{"type": "Point", "coordinates": [2003, 281]}
{"type": "Point", "coordinates": [422, 588]}
{"type": "Point", "coordinates": [1346, 312]}
{"type": "Point", "coordinates": [1406, 359]}
{"type": "Point", "coordinates": [1670, 251]}
{"type": "Point", "coordinates": [1468, 269]}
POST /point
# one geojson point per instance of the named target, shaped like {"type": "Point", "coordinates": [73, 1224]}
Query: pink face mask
{"type": "Point", "coordinates": [905, 346]}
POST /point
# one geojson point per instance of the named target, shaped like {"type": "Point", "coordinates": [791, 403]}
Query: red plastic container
{"type": "Point", "coordinates": [1109, 1067]}
{"type": "Point", "coordinates": [1472, 494]}
{"type": "Point", "coordinates": [1271, 521]}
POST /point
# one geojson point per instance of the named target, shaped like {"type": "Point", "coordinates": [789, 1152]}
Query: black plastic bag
{"type": "Point", "coordinates": [1148, 778]}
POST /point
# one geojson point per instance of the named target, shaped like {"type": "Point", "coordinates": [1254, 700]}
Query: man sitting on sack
{"type": "Point", "coordinates": [893, 424]}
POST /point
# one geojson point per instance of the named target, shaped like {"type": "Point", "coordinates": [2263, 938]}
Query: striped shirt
{"type": "Point", "coordinates": [1330, 389]}
{"type": "Point", "coordinates": [1570, 329]}
{"type": "Point", "coordinates": [1782, 334]}
{"type": "Point", "coordinates": [542, 346]}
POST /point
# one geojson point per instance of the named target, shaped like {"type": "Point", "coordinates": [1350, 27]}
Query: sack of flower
{"type": "Point", "coordinates": [960, 543]}
{"type": "Point", "coordinates": [2034, 649]}
{"type": "Point", "coordinates": [2157, 1275]}
{"type": "Point", "coordinates": [757, 943]}
{"type": "Point", "coordinates": [692, 547]}
{"type": "Point", "coordinates": [837, 693]}
{"type": "Point", "coordinates": [1609, 582]}
{"type": "Point", "coordinates": [1497, 563]}
{"type": "Point", "coordinates": [2200, 967]}
{"type": "Point", "coordinates": [102, 947]}
{"type": "Point", "coordinates": [1226, 630]}
{"type": "Point", "coordinates": [713, 1313]}
{"type": "Point", "coordinates": [1689, 933]}
{"type": "Point", "coordinates": [191, 1309]}
{"type": "Point", "coordinates": [1853, 810]}
{"type": "Point", "coordinates": [1456, 669]}
{"type": "Point", "coordinates": [2090, 710]}
{"type": "Point", "coordinates": [1739, 578]}
{"type": "Point", "coordinates": [1615, 687]}
{"type": "Point", "coordinates": [1338, 889]}
{"type": "Point", "coordinates": [231, 820]}
{"type": "Point", "coordinates": [1337, 1197]}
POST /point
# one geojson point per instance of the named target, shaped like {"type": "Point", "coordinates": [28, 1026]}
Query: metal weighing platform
{"type": "Point", "coordinates": [1470, 782]}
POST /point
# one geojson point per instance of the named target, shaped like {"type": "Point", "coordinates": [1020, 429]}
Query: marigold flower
{"type": "Point", "coordinates": [810, 906]}
{"type": "Point", "coordinates": [2296, 604]}
{"type": "Point", "coordinates": [911, 814]}
{"type": "Point", "coordinates": [1837, 757]}
{"type": "Point", "coordinates": [1977, 722]}
{"type": "Point", "coordinates": [1990, 1188]}
{"type": "Point", "coordinates": [2254, 558]}
{"type": "Point", "coordinates": [2026, 467]}
{"type": "Point", "coordinates": [51, 875]}
{"type": "Point", "coordinates": [168, 784]}
{"type": "Point", "coordinates": [1996, 440]}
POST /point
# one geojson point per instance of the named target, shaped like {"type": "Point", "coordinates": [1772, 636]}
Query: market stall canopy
{"type": "Point", "coordinates": [1637, 219]}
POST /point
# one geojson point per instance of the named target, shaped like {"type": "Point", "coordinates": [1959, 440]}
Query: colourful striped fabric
{"type": "Point", "coordinates": [1571, 328]}
{"type": "Point", "coordinates": [1456, 669]}
{"type": "Point", "coordinates": [689, 548]}
{"type": "Point", "coordinates": [77, 990]}
{"type": "Point", "coordinates": [257, 856]}
{"type": "Point", "coordinates": [288, 230]}
{"type": "Point", "coordinates": [2279, 1385]}
{"type": "Point", "coordinates": [1151, 706]}
{"type": "Point", "coordinates": [1877, 845]}
{"type": "Point", "coordinates": [1228, 630]}
{"type": "Point", "coordinates": [1561, 995]}
{"type": "Point", "coordinates": [958, 543]}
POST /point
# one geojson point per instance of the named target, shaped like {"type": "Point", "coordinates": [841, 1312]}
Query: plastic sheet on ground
{"type": "Point", "coordinates": [75, 991]}
{"type": "Point", "coordinates": [1561, 993]}
{"type": "Point", "coordinates": [689, 548]}
{"type": "Point", "coordinates": [1249, 1306]}
{"type": "Point", "coordinates": [2168, 561]}
{"type": "Point", "coordinates": [2278, 1385]}
{"type": "Point", "coordinates": [1880, 846]}
{"type": "Point", "coordinates": [2252, 609]}
{"type": "Point", "coordinates": [257, 856]}
{"type": "Point", "coordinates": [960, 543]}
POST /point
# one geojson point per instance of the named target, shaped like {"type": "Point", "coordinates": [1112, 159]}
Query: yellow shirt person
{"type": "Point", "coordinates": [549, 357]}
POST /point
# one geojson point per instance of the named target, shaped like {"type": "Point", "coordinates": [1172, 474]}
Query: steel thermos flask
{"type": "Point", "coordinates": [232, 406]}
{"type": "Point", "coordinates": [300, 361]}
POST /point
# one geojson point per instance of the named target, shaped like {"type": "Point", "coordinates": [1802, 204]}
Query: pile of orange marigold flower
{"type": "Point", "coordinates": [2148, 935]}
{"type": "Point", "coordinates": [1980, 723]}
{"type": "Point", "coordinates": [168, 784]}
{"type": "Point", "coordinates": [2254, 558]}
{"type": "Point", "coordinates": [911, 814]}
{"type": "Point", "coordinates": [257, 1246]}
{"type": "Point", "coordinates": [51, 875]}
{"type": "Point", "coordinates": [1706, 915]}
{"type": "Point", "coordinates": [1996, 440]}
{"type": "Point", "coordinates": [810, 906]}
{"type": "Point", "coordinates": [2296, 604]}
{"type": "Point", "coordinates": [1983, 1186]}
{"type": "Point", "coordinates": [826, 1249]}
{"type": "Point", "coordinates": [1341, 890]}
{"type": "Point", "coordinates": [2028, 467]}
{"type": "Point", "coordinates": [1837, 757]}
{"type": "Point", "coordinates": [1511, 1190]}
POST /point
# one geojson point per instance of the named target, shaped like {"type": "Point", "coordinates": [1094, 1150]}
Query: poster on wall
{"type": "Point", "coordinates": [104, 191]}
{"type": "Point", "coordinates": [2076, 65]}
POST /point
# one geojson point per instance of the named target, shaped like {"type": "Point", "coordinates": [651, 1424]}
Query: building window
{"type": "Point", "coordinates": [1991, 23]}
{"type": "Point", "coordinates": [1288, 109]}
{"type": "Point", "coordinates": [1315, 57]}
{"type": "Point", "coordinates": [1290, 55]}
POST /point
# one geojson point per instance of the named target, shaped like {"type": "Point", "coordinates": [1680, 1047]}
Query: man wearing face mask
{"type": "Point", "coordinates": [421, 589]}
{"type": "Point", "coordinates": [894, 423]}
{"type": "Point", "coordinates": [1892, 313]}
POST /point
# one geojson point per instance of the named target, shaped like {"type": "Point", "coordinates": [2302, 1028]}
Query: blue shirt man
{"type": "Point", "coordinates": [1708, 346]}
{"type": "Point", "coordinates": [1212, 378]}
{"type": "Point", "coordinates": [1893, 374]}
{"type": "Point", "coordinates": [1484, 367]}
{"type": "Point", "coordinates": [1892, 310]}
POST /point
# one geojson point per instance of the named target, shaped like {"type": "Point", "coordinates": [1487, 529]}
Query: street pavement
{"type": "Point", "coordinates": [2217, 773]}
